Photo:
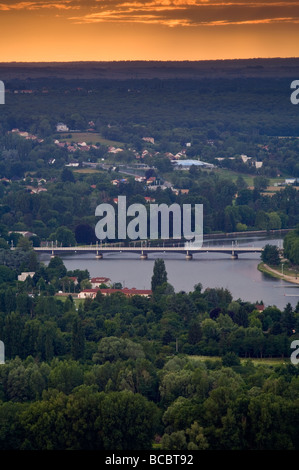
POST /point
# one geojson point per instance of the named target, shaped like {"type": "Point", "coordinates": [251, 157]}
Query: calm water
{"type": "Point", "coordinates": [241, 277]}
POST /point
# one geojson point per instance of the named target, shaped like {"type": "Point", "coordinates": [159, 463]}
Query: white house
{"type": "Point", "coordinates": [290, 180]}
{"type": "Point", "coordinates": [61, 127]}
{"type": "Point", "coordinates": [97, 281]}
{"type": "Point", "coordinates": [23, 276]}
{"type": "Point", "coordinates": [88, 294]}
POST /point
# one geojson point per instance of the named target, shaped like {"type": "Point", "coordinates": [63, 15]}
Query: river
{"type": "Point", "coordinates": [241, 277]}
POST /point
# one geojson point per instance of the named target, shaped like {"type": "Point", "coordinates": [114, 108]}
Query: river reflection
{"type": "Point", "coordinates": [241, 277]}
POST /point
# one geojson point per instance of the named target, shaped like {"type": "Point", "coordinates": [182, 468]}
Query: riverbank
{"type": "Point", "coordinates": [264, 268]}
{"type": "Point", "coordinates": [280, 232]}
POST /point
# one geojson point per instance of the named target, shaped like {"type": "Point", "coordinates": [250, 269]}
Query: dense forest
{"type": "Point", "coordinates": [175, 371]}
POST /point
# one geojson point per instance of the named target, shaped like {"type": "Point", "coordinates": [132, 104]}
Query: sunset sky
{"type": "Point", "coordinates": [70, 30]}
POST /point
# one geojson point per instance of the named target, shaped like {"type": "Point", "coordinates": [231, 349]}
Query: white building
{"type": "Point", "coordinates": [23, 276]}
{"type": "Point", "coordinates": [61, 127]}
{"type": "Point", "coordinates": [186, 164]}
{"type": "Point", "coordinates": [88, 294]}
{"type": "Point", "coordinates": [97, 281]}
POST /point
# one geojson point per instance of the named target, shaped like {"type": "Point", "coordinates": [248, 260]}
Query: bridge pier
{"type": "Point", "coordinates": [52, 254]}
{"type": "Point", "coordinates": [234, 255]}
{"type": "Point", "coordinates": [99, 256]}
{"type": "Point", "coordinates": [188, 256]}
{"type": "Point", "coordinates": [143, 255]}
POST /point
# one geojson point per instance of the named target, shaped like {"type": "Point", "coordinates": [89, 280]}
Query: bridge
{"type": "Point", "coordinates": [144, 250]}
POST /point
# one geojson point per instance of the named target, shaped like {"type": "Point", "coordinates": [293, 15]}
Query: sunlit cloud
{"type": "Point", "coordinates": [37, 5]}
{"type": "Point", "coordinates": [192, 12]}
{"type": "Point", "coordinates": [171, 13]}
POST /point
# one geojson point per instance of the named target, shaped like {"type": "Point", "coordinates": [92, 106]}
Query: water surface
{"type": "Point", "coordinates": [241, 277]}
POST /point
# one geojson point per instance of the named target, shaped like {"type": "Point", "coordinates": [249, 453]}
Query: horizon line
{"type": "Point", "coordinates": [145, 60]}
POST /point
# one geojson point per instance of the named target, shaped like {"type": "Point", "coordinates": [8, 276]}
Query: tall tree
{"type": "Point", "coordinates": [78, 340]}
{"type": "Point", "coordinates": [159, 274]}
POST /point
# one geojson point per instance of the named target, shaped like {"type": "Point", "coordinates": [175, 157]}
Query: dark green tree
{"type": "Point", "coordinates": [56, 268]}
{"type": "Point", "coordinates": [67, 175]}
{"type": "Point", "coordinates": [127, 421]}
{"type": "Point", "coordinates": [78, 340]}
{"type": "Point", "coordinates": [288, 320]}
{"type": "Point", "coordinates": [270, 255]}
{"type": "Point", "coordinates": [159, 274]}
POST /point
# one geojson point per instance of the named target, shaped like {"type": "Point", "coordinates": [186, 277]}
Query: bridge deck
{"type": "Point", "coordinates": [149, 249]}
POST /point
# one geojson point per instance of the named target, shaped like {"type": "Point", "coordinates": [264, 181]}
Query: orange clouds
{"type": "Point", "coordinates": [35, 5]}
{"type": "Point", "coordinates": [166, 12]}
{"type": "Point", "coordinates": [148, 29]}
{"type": "Point", "coordinates": [192, 12]}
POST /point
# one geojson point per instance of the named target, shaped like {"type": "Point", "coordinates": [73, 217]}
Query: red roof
{"type": "Point", "coordinates": [260, 307]}
{"type": "Point", "coordinates": [125, 291]}
{"type": "Point", "coordinates": [99, 279]}
{"type": "Point", "coordinates": [90, 290]}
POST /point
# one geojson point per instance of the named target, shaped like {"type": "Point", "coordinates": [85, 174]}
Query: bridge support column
{"type": "Point", "coordinates": [99, 255]}
{"type": "Point", "coordinates": [188, 256]}
{"type": "Point", "coordinates": [52, 254]}
{"type": "Point", "coordinates": [234, 255]}
{"type": "Point", "coordinates": [143, 255]}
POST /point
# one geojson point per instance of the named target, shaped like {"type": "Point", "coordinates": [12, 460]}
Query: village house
{"type": "Point", "coordinates": [91, 293]}
{"type": "Point", "coordinates": [88, 294]}
{"type": "Point", "coordinates": [114, 150]}
{"type": "Point", "coordinates": [34, 190]}
{"type": "Point", "coordinates": [23, 276]}
{"type": "Point", "coordinates": [133, 291]}
{"type": "Point", "coordinates": [73, 164]}
{"type": "Point", "coordinates": [98, 281]}
{"type": "Point", "coordinates": [61, 127]}
{"type": "Point", "coordinates": [151, 140]}
{"type": "Point", "coordinates": [151, 180]}
{"type": "Point", "coordinates": [149, 199]}
{"type": "Point", "coordinates": [140, 179]}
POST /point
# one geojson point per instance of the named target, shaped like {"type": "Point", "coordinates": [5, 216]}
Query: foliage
{"type": "Point", "coordinates": [159, 277]}
{"type": "Point", "coordinates": [270, 255]}
{"type": "Point", "coordinates": [291, 246]}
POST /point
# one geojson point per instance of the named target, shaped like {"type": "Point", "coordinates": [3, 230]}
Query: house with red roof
{"type": "Point", "coordinates": [91, 293]}
{"type": "Point", "coordinates": [98, 281]}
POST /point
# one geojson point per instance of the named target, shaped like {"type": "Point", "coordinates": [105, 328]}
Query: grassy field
{"type": "Point", "coordinates": [63, 298]}
{"type": "Point", "coordinates": [87, 171]}
{"type": "Point", "coordinates": [270, 361]}
{"type": "Point", "coordinates": [233, 175]}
